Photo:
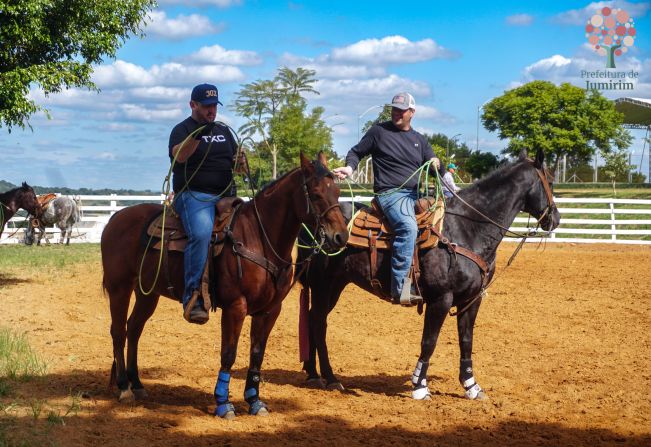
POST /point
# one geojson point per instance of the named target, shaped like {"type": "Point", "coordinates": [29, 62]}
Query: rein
{"type": "Point", "coordinates": [542, 174]}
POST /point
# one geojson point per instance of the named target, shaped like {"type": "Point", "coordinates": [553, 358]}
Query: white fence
{"type": "Point", "coordinates": [618, 221]}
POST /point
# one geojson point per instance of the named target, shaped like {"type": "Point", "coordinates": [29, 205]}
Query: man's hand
{"type": "Point", "coordinates": [207, 130]}
{"type": "Point", "coordinates": [343, 172]}
{"type": "Point", "coordinates": [437, 162]}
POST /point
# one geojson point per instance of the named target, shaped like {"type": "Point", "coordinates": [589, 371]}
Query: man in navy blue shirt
{"type": "Point", "coordinates": [397, 151]}
{"type": "Point", "coordinates": [203, 172]}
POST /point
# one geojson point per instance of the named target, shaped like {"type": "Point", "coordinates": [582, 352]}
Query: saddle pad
{"type": "Point", "coordinates": [175, 237]}
{"type": "Point", "coordinates": [370, 228]}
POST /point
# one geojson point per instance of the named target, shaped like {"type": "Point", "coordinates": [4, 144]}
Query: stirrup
{"type": "Point", "coordinates": [193, 312]}
{"type": "Point", "coordinates": [407, 298]}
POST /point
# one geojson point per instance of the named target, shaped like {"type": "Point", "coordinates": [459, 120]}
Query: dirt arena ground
{"type": "Point", "coordinates": [562, 347]}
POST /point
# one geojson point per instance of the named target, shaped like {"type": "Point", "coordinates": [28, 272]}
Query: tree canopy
{"type": "Point", "coordinates": [276, 112]}
{"type": "Point", "coordinates": [53, 44]}
{"type": "Point", "coordinates": [561, 120]}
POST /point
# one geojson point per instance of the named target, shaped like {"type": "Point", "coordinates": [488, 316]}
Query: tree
{"type": "Point", "coordinates": [259, 102]}
{"type": "Point", "coordinates": [294, 131]}
{"type": "Point", "coordinates": [296, 82]}
{"type": "Point", "coordinates": [559, 119]}
{"type": "Point", "coordinates": [275, 111]}
{"type": "Point", "coordinates": [616, 166]}
{"type": "Point", "coordinates": [610, 32]}
{"type": "Point", "coordinates": [53, 44]}
{"type": "Point", "coordinates": [480, 163]}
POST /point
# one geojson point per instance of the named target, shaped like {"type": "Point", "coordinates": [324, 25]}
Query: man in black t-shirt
{"type": "Point", "coordinates": [202, 174]}
{"type": "Point", "coordinates": [397, 151]}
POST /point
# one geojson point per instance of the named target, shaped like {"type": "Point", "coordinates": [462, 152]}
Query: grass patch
{"type": "Point", "coordinates": [48, 256]}
{"type": "Point", "coordinates": [17, 359]}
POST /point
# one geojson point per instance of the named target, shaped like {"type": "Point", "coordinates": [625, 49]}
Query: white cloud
{"type": "Point", "coordinates": [325, 68]}
{"type": "Point", "coordinates": [559, 69]}
{"type": "Point", "coordinates": [125, 74]}
{"type": "Point", "coordinates": [217, 3]}
{"type": "Point", "coordinates": [391, 50]}
{"type": "Point", "coordinates": [383, 88]}
{"type": "Point", "coordinates": [432, 114]}
{"type": "Point", "coordinates": [519, 20]}
{"type": "Point", "coordinates": [580, 16]}
{"type": "Point", "coordinates": [180, 27]}
{"type": "Point", "coordinates": [105, 156]}
{"type": "Point", "coordinates": [216, 54]}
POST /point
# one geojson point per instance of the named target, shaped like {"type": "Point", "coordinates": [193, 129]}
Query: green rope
{"type": "Point", "coordinates": [423, 179]}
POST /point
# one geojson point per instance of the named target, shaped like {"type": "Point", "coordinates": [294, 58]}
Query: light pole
{"type": "Point", "coordinates": [478, 109]}
{"type": "Point", "coordinates": [447, 147]}
{"type": "Point", "coordinates": [359, 117]}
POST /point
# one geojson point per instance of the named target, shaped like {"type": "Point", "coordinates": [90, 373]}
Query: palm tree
{"type": "Point", "coordinates": [296, 82]}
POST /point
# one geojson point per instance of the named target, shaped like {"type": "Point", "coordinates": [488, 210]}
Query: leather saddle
{"type": "Point", "coordinates": [45, 199]}
{"type": "Point", "coordinates": [369, 230]}
{"type": "Point", "coordinates": [169, 225]}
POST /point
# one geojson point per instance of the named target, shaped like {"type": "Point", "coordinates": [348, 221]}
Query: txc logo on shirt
{"type": "Point", "coordinates": [214, 138]}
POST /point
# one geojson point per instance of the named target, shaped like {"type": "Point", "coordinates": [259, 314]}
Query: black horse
{"type": "Point", "coordinates": [477, 220]}
{"type": "Point", "coordinates": [14, 199]}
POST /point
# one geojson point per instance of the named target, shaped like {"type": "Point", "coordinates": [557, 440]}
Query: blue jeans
{"type": "Point", "coordinates": [197, 212]}
{"type": "Point", "coordinates": [398, 208]}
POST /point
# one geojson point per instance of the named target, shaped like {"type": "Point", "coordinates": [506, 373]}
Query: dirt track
{"type": "Point", "coordinates": [562, 347]}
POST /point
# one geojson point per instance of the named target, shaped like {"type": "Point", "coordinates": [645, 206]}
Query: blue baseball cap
{"type": "Point", "coordinates": [205, 94]}
{"type": "Point", "coordinates": [452, 166]}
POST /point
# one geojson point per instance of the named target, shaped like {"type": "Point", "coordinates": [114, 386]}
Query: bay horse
{"type": "Point", "coordinates": [14, 199]}
{"type": "Point", "coordinates": [477, 220]}
{"type": "Point", "coordinates": [63, 212]}
{"type": "Point", "coordinates": [255, 284]}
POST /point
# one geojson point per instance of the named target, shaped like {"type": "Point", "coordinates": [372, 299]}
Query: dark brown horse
{"type": "Point", "coordinates": [476, 220]}
{"type": "Point", "coordinates": [21, 197]}
{"type": "Point", "coordinates": [265, 230]}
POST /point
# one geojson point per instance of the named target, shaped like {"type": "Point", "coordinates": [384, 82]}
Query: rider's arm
{"type": "Point", "coordinates": [356, 153]}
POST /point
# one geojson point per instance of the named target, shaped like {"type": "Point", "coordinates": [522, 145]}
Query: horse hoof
{"type": "Point", "coordinates": [229, 416]}
{"type": "Point", "coordinates": [140, 394]}
{"type": "Point", "coordinates": [262, 412]}
{"type": "Point", "coordinates": [315, 382]}
{"type": "Point", "coordinates": [335, 386]}
{"type": "Point", "coordinates": [126, 396]}
{"type": "Point", "coordinates": [481, 396]}
{"type": "Point", "coordinates": [421, 394]}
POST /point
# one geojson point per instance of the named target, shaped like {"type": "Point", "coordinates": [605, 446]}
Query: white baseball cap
{"type": "Point", "coordinates": [403, 101]}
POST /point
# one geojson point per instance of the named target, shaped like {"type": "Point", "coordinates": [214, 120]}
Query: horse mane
{"type": "Point", "coordinates": [320, 172]}
{"type": "Point", "coordinates": [493, 179]}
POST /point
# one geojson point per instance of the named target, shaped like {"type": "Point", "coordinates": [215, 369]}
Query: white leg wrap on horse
{"type": "Point", "coordinates": [420, 393]}
{"type": "Point", "coordinates": [416, 375]}
{"type": "Point", "coordinates": [472, 388]}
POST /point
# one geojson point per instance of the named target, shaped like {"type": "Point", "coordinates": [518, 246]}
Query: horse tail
{"type": "Point", "coordinates": [79, 212]}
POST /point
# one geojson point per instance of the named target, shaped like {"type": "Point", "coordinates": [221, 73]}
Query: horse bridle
{"type": "Point", "coordinates": [544, 176]}
{"type": "Point", "coordinates": [311, 209]}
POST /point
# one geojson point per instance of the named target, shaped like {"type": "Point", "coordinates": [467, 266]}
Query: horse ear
{"type": "Point", "coordinates": [540, 158]}
{"type": "Point", "coordinates": [523, 155]}
{"type": "Point", "coordinates": [305, 162]}
{"type": "Point", "coordinates": [322, 159]}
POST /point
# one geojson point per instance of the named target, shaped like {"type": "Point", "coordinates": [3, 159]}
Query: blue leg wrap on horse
{"type": "Point", "coordinates": [221, 410]}
{"type": "Point", "coordinates": [251, 387]}
{"type": "Point", "coordinates": [465, 370]}
{"type": "Point", "coordinates": [221, 388]}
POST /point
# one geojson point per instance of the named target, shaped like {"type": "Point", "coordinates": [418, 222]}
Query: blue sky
{"type": "Point", "coordinates": [452, 57]}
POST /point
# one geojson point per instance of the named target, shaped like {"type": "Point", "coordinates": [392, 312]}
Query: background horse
{"type": "Point", "coordinates": [63, 212]}
{"type": "Point", "coordinates": [252, 283]}
{"type": "Point", "coordinates": [21, 197]}
{"type": "Point", "coordinates": [447, 278]}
